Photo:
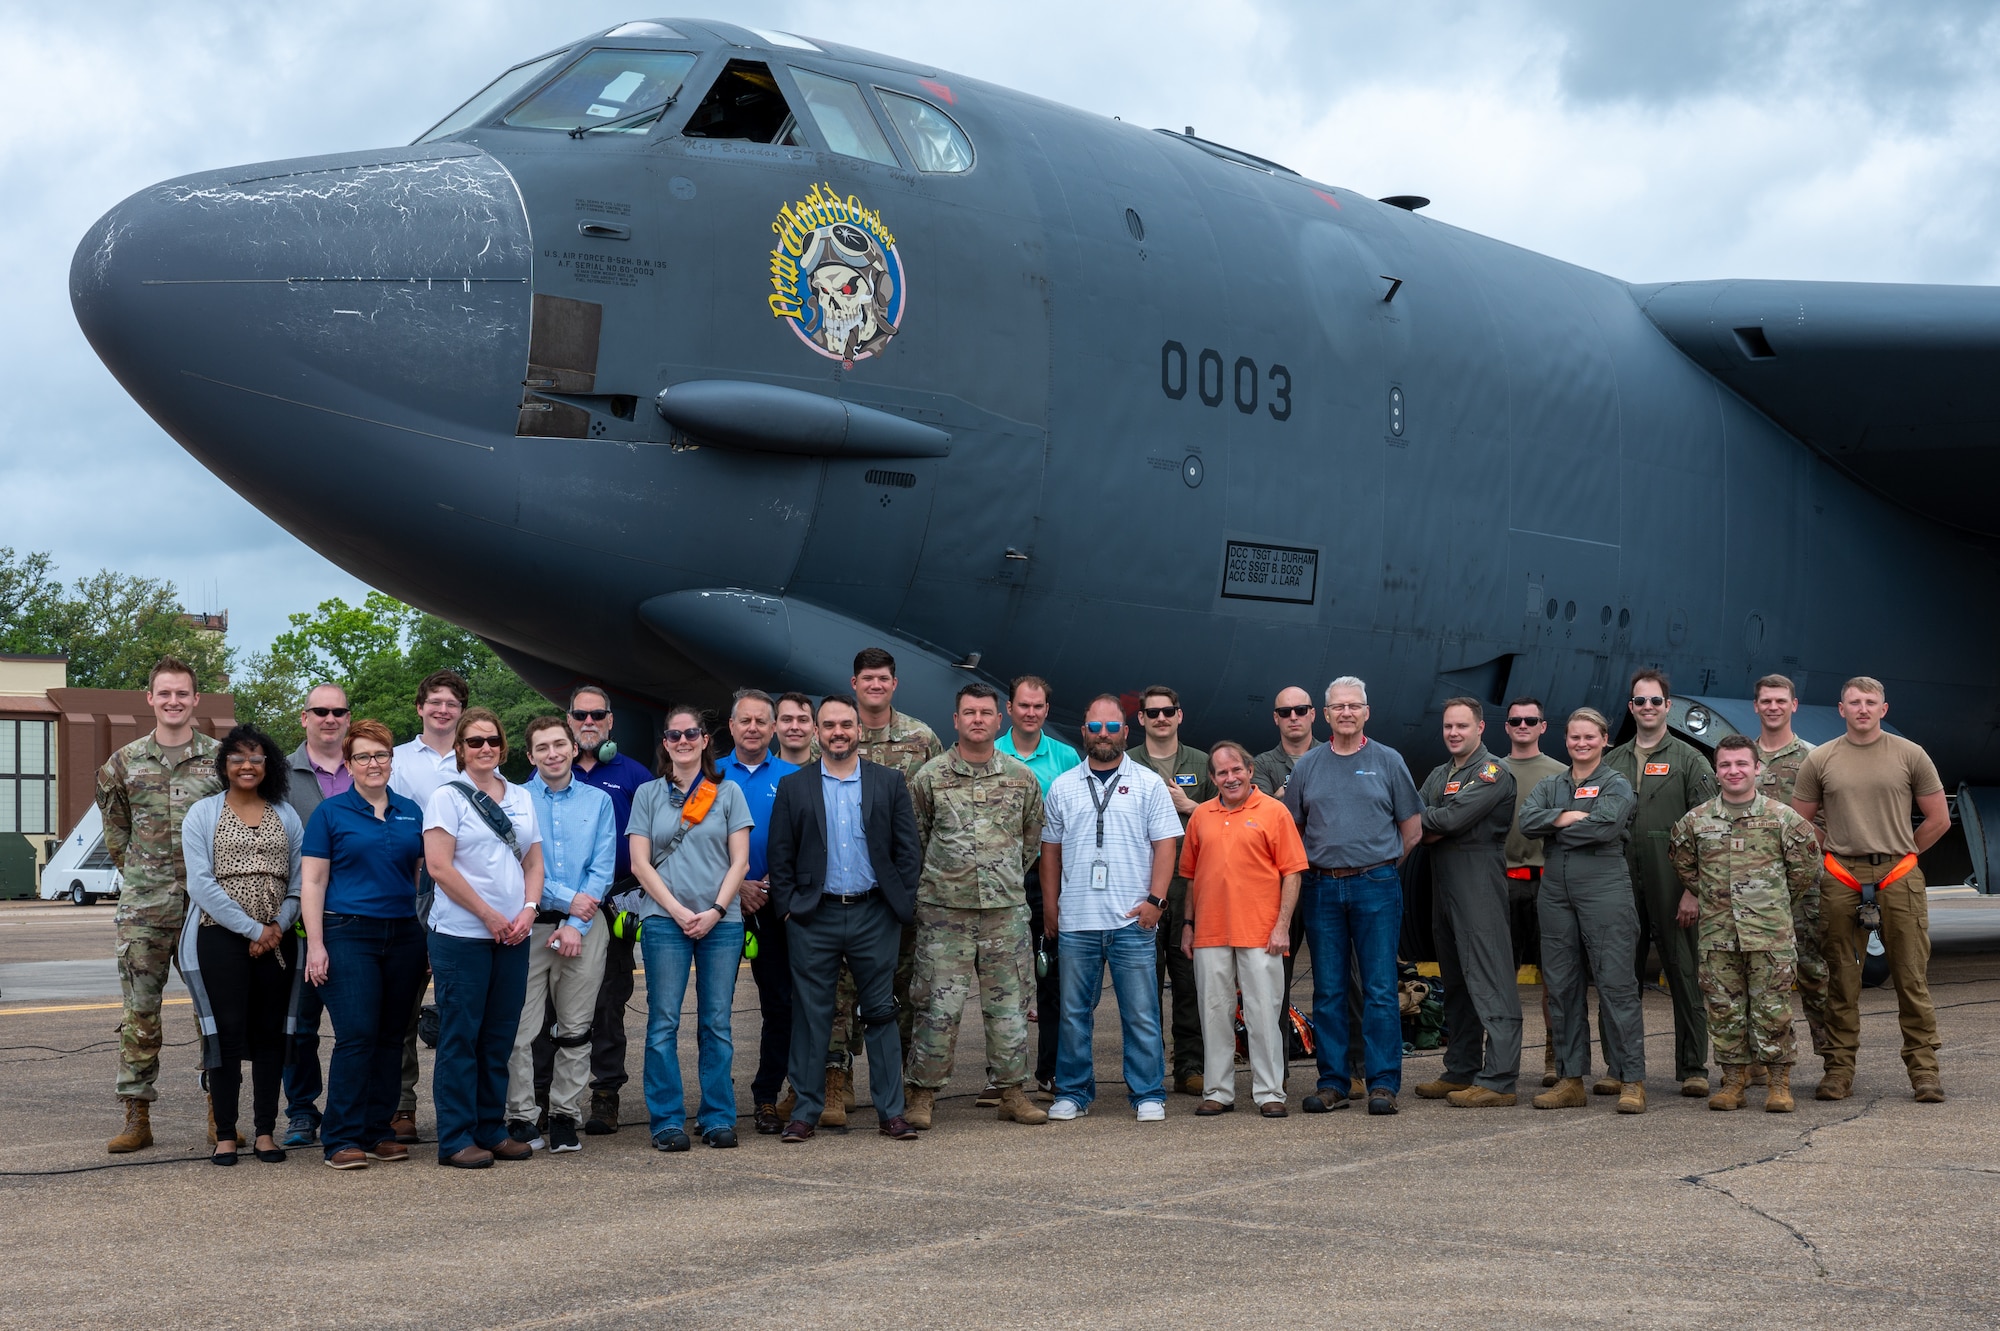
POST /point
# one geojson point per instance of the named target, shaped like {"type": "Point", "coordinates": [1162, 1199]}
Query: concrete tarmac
{"type": "Point", "coordinates": [1871, 1208]}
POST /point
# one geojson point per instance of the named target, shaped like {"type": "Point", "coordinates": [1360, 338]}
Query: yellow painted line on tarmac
{"type": "Point", "coordinates": [85, 1007]}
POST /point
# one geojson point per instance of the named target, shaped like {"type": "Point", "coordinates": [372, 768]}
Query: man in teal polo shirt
{"type": "Point", "coordinates": [1048, 758]}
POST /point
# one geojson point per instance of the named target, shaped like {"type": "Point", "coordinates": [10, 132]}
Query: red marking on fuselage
{"type": "Point", "coordinates": [1328, 197]}
{"type": "Point", "coordinates": [945, 93]}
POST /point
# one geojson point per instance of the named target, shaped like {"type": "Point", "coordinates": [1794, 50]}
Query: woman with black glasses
{"type": "Point", "coordinates": [242, 852]}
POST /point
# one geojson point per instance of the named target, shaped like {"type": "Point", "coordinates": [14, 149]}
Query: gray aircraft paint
{"type": "Point", "coordinates": [1511, 474]}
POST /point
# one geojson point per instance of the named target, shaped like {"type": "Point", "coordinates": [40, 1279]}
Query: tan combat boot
{"type": "Point", "coordinates": [918, 1102]}
{"type": "Point", "coordinates": [1018, 1107]}
{"type": "Point", "coordinates": [1607, 1086]}
{"type": "Point", "coordinates": [138, 1133]}
{"type": "Point", "coordinates": [1568, 1094]}
{"type": "Point", "coordinates": [1439, 1089]}
{"type": "Point", "coordinates": [1778, 1097]}
{"type": "Point", "coordinates": [787, 1103]}
{"type": "Point", "coordinates": [834, 1115]}
{"type": "Point", "coordinates": [1479, 1097]}
{"type": "Point", "coordinates": [1759, 1074]}
{"type": "Point", "coordinates": [1549, 1077]}
{"type": "Point", "coordinates": [1735, 1080]}
{"type": "Point", "coordinates": [1835, 1086]}
{"type": "Point", "coordinates": [1632, 1099]}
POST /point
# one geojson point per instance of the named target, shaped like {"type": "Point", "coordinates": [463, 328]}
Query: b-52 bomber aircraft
{"type": "Point", "coordinates": [689, 355]}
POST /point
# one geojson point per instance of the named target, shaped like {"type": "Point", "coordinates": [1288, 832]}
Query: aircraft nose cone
{"type": "Point", "coordinates": [362, 305]}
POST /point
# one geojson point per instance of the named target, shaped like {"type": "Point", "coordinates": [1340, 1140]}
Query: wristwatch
{"type": "Point", "coordinates": [1157, 903]}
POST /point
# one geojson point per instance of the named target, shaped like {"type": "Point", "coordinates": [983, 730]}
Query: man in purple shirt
{"type": "Point", "coordinates": [317, 771]}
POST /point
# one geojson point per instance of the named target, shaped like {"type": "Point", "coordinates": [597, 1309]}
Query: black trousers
{"type": "Point", "coordinates": [867, 936]}
{"type": "Point", "coordinates": [607, 1026]}
{"type": "Point", "coordinates": [1048, 986]}
{"type": "Point", "coordinates": [772, 969]}
{"type": "Point", "coordinates": [249, 997]}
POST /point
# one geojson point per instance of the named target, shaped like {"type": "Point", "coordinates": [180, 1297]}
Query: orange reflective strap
{"type": "Point", "coordinates": [699, 803]}
{"type": "Point", "coordinates": [1839, 871]}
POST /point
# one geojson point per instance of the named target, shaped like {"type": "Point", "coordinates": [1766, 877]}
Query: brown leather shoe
{"type": "Point", "coordinates": [795, 1132]}
{"type": "Point", "coordinates": [404, 1124]}
{"type": "Point", "coordinates": [348, 1157]}
{"type": "Point", "coordinates": [1441, 1088]}
{"type": "Point", "coordinates": [138, 1131]}
{"type": "Point", "coordinates": [899, 1129]}
{"type": "Point", "coordinates": [472, 1157]}
{"type": "Point", "coordinates": [509, 1149]}
{"type": "Point", "coordinates": [389, 1152]}
{"type": "Point", "coordinates": [1214, 1108]}
{"type": "Point", "coordinates": [768, 1122]}
{"type": "Point", "coordinates": [1273, 1109]}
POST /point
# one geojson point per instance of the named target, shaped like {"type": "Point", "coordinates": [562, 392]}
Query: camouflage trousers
{"type": "Point", "coordinates": [1812, 967]}
{"type": "Point", "coordinates": [1749, 1000]}
{"type": "Point", "coordinates": [147, 937]}
{"type": "Point", "coordinates": [845, 1041]}
{"type": "Point", "coordinates": [961, 954]}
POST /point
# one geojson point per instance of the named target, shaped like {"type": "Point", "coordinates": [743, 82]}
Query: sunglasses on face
{"type": "Point", "coordinates": [483, 742]}
{"type": "Point", "coordinates": [589, 713]}
{"type": "Point", "coordinates": [1155, 713]}
{"type": "Point", "coordinates": [1303, 710]}
{"type": "Point", "coordinates": [1525, 722]}
{"type": "Point", "coordinates": [327, 711]}
{"type": "Point", "coordinates": [678, 736]}
{"type": "Point", "coordinates": [1104, 727]}
{"type": "Point", "coordinates": [1653, 701]}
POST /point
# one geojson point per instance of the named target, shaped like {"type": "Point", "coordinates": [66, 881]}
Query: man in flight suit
{"type": "Point", "coordinates": [1669, 777]}
{"type": "Point", "coordinates": [1468, 811]}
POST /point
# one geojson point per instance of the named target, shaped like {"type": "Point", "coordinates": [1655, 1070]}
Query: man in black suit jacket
{"type": "Point", "coordinates": [844, 864]}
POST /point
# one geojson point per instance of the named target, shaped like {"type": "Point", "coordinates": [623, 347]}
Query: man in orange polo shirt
{"type": "Point", "coordinates": [1242, 857]}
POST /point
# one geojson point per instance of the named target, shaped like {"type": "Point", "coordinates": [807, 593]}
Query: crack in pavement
{"type": "Point", "coordinates": [1704, 1180]}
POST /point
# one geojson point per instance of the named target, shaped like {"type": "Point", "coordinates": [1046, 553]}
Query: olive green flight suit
{"type": "Point", "coordinates": [1668, 782]}
{"type": "Point", "coordinates": [1470, 807]}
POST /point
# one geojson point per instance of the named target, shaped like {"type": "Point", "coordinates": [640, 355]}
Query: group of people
{"type": "Point", "coordinates": [879, 883]}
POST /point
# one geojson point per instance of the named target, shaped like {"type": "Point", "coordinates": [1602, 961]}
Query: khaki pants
{"type": "Point", "coordinates": [571, 984]}
{"type": "Point", "coordinates": [1218, 973]}
{"type": "Point", "coordinates": [1906, 937]}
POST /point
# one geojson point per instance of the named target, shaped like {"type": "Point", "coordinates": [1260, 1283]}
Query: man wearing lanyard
{"type": "Point", "coordinates": [599, 764]}
{"type": "Point", "coordinates": [1108, 845]}
{"type": "Point", "coordinates": [756, 771]}
{"type": "Point", "coordinates": [1048, 758]}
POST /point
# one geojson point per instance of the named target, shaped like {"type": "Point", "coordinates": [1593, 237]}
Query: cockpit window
{"type": "Point", "coordinates": [646, 28]}
{"type": "Point", "coordinates": [492, 98]}
{"type": "Point", "coordinates": [744, 104]}
{"type": "Point", "coordinates": [606, 86]}
{"type": "Point", "coordinates": [935, 141]}
{"type": "Point", "coordinates": [843, 117]}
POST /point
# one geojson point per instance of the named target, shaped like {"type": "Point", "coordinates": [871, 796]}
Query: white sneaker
{"type": "Point", "coordinates": [1065, 1109]}
{"type": "Point", "coordinates": [1151, 1111]}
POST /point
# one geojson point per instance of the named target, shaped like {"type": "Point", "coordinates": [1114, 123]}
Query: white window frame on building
{"type": "Point", "coordinates": [28, 777]}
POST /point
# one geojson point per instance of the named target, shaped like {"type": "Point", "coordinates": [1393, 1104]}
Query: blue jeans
{"type": "Point", "coordinates": [1364, 912]}
{"type": "Point", "coordinates": [714, 958]}
{"type": "Point", "coordinates": [302, 1075]}
{"type": "Point", "coordinates": [374, 972]}
{"type": "Point", "coordinates": [480, 988]}
{"type": "Point", "coordinates": [1132, 954]}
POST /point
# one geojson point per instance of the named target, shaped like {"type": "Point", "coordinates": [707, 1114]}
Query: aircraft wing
{"type": "Point", "coordinates": [1897, 385]}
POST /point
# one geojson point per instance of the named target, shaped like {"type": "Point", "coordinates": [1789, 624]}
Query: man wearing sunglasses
{"type": "Point", "coordinates": [1527, 722]}
{"type": "Point", "coordinates": [318, 771]}
{"type": "Point", "coordinates": [1293, 711]}
{"type": "Point", "coordinates": [1670, 777]}
{"type": "Point", "coordinates": [1185, 770]}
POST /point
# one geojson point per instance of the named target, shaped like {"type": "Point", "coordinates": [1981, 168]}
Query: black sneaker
{"type": "Point", "coordinates": [671, 1139]}
{"type": "Point", "coordinates": [1325, 1100]}
{"type": "Point", "coordinates": [524, 1132]}
{"type": "Point", "coordinates": [562, 1135]}
{"type": "Point", "coordinates": [720, 1138]}
{"type": "Point", "coordinates": [1381, 1100]}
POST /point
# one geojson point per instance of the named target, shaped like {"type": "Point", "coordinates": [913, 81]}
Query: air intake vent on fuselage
{"type": "Point", "coordinates": [902, 480]}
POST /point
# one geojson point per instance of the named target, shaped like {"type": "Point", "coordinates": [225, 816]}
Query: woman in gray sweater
{"type": "Point", "coordinates": [242, 852]}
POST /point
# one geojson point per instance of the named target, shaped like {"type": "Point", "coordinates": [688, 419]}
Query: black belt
{"type": "Point", "coordinates": [551, 916]}
{"type": "Point", "coordinates": [1349, 873]}
{"type": "Point", "coordinates": [848, 898]}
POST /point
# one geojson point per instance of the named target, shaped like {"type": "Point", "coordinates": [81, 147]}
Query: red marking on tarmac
{"type": "Point", "coordinates": [1328, 197]}
{"type": "Point", "coordinates": [945, 93]}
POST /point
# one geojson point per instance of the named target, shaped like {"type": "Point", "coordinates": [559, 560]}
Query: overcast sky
{"type": "Point", "coordinates": [1832, 140]}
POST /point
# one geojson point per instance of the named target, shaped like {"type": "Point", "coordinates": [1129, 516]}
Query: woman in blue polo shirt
{"type": "Point", "coordinates": [364, 947]}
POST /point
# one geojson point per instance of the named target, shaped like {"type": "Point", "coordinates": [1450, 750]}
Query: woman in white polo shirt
{"type": "Point", "coordinates": [484, 852]}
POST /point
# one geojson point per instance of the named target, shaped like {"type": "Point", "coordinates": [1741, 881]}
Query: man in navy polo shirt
{"type": "Point", "coordinates": [600, 764]}
{"type": "Point", "coordinates": [753, 720]}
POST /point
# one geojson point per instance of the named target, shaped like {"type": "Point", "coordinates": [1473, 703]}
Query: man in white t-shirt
{"type": "Point", "coordinates": [1108, 846]}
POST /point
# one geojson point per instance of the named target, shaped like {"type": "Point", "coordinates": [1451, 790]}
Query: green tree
{"type": "Point", "coordinates": [112, 626]}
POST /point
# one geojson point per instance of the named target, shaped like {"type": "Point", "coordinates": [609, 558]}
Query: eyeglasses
{"type": "Point", "coordinates": [1347, 707]}
{"type": "Point", "coordinates": [1525, 722]}
{"type": "Point", "coordinates": [589, 713]}
{"type": "Point", "coordinates": [678, 736]}
{"type": "Point", "coordinates": [1654, 701]}
{"type": "Point", "coordinates": [483, 742]}
{"type": "Point", "coordinates": [1303, 710]}
{"type": "Point", "coordinates": [327, 711]}
{"type": "Point", "coordinates": [1104, 727]}
{"type": "Point", "coordinates": [245, 760]}
{"type": "Point", "coordinates": [1155, 713]}
{"type": "Point", "coordinates": [367, 759]}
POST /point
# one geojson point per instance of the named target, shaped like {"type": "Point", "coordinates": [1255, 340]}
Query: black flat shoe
{"type": "Point", "coordinates": [274, 1156]}
{"type": "Point", "coordinates": [223, 1158]}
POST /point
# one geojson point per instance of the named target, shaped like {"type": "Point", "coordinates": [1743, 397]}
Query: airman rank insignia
{"type": "Point", "coordinates": [1490, 773]}
{"type": "Point", "coordinates": [836, 276]}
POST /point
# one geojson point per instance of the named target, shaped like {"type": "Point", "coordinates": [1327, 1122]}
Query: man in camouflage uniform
{"type": "Point", "coordinates": [1741, 858]}
{"type": "Point", "coordinates": [1782, 753]}
{"type": "Point", "coordinates": [979, 820]}
{"type": "Point", "coordinates": [144, 792]}
{"type": "Point", "coordinates": [891, 739]}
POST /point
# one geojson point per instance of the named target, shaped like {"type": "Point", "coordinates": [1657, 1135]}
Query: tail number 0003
{"type": "Point", "coordinates": [1213, 382]}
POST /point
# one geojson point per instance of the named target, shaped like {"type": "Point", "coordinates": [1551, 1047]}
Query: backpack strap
{"type": "Point", "coordinates": [492, 814]}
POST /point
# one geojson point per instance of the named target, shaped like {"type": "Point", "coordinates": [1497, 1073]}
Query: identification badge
{"type": "Point", "coordinates": [1100, 876]}
{"type": "Point", "coordinates": [1586, 792]}
{"type": "Point", "coordinates": [1451, 787]}
{"type": "Point", "coordinates": [1656, 769]}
